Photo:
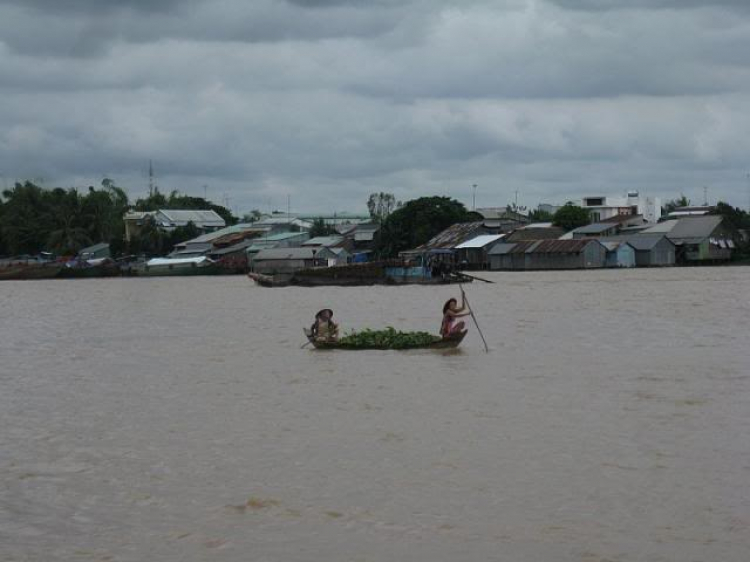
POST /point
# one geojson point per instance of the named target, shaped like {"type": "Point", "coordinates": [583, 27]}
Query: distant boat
{"type": "Point", "coordinates": [158, 267]}
{"type": "Point", "coordinates": [84, 269]}
{"type": "Point", "coordinates": [390, 272]}
{"type": "Point", "coordinates": [23, 271]}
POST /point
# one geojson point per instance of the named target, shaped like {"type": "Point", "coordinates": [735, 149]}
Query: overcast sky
{"type": "Point", "coordinates": [326, 101]}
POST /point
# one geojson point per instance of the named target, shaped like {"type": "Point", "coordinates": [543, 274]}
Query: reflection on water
{"type": "Point", "coordinates": [178, 419]}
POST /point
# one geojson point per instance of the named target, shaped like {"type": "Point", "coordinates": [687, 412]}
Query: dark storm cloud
{"type": "Point", "coordinates": [603, 5]}
{"type": "Point", "coordinates": [81, 32]}
{"type": "Point", "coordinates": [95, 6]}
{"type": "Point", "coordinates": [327, 101]}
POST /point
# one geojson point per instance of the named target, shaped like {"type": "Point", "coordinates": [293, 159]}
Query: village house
{"type": "Point", "coordinates": [440, 251]}
{"type": "Point", "coordinates": [535, 231]}
{"type": "Point", "coordinates": [548, 254]}
{"type": "Point", "coordinates": [619, 254]}
{"type": "Point", "coordinates": [169, 219]}
{"type": "Point", "coordinates": [335, 255]}
{"type": "Point", "coordinates": [472, 254]}
{"type": "Point", "coordinates": [603, 207]}
{"type": "Point", "coordinates": [699, 239]}
{"type": "Point", "coordinates": [651, 250]}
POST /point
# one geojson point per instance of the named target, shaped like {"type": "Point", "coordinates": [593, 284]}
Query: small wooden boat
{"type": "Point", "coordinates": [444, 343]}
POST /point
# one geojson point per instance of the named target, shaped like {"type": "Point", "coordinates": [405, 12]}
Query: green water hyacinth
{"type": "Point", "coordinates": [390, 338]}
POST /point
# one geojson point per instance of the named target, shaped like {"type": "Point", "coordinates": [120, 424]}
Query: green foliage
{"type": "Point", "coordinates": [734, 217]}
{"type": "Point", "coordinates": [60, 220]}
{"type": "Point", "coordinates": [389, 338]}
{"type": "Point", "coordinates": [417, 221]}
{"type": "Point", "coordinates": [571, 216]}
{"type": "Point", "coordinates": [736, 220]}
{"type": "Point", "coordinates": [252, 216]}
{"type": "Point", "coordinates": [153, 241]}
{"type": "Point", "coordinates": [63, 221]}
{"type": "Point", "coordinates": [538, 215]}
{"type": "Point", "coordinates": [672, 204]}
{"type": "Point", "coordinates": [320, 228]}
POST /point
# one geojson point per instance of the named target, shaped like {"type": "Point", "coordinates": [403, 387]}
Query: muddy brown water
{"type": "Point", "coordinates": [178, 419]}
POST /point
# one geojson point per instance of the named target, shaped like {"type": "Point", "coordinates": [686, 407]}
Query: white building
{"type": "Point", "coordinates": [603, 208]}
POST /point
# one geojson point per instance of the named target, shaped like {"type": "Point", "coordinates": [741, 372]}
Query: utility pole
{"type": "Point", "coordinates": [288, 206]}
{"type": "Point", "coordinates": [474, 197]}
{"type": "Point", "coordinates": [748, 192]}
{"type": "Point", "coordinates": [515, 204]}
{"type": "Point", "coordinates": [705, 196]}
{"type": "Point", "coordinates": [150, 179]}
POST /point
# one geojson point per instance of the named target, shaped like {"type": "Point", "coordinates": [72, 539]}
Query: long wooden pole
{"type": "Point", "coordinates": [471, 310]}
{"type": "Point", "coordinates": [474, 277]}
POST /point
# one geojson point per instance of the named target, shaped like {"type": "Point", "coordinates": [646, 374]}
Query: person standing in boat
{"type": "Point", "coordinates": [324, 328]}
{"type": "Point", "coordinates": [451, 312]}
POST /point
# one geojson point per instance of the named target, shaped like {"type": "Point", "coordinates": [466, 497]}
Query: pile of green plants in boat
{"type": "Point", "coordinates": [389, 338]}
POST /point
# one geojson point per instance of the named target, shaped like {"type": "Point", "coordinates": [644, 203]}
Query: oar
{"type": "Point", "coordinates": [475, 277]}
{"type": "Point", "coordinates": [305, 344]}
{"type": "Point", "coordinates": [471, 310]}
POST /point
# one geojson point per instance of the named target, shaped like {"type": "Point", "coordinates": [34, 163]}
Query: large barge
{"type": "Point", "coordinates": [390, 272]}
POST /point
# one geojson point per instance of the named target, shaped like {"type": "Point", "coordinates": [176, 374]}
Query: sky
{"type": "Point", "coordinates": [257, 103]}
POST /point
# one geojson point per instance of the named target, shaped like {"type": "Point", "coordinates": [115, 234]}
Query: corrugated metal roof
{"type": "Point", "coordinates": [641, 242]}
{"type": "Point", "coordinates": [595, 228]}
{"type": "Point", "coordinates": [515, 248]}
{"type": "Point", "coordinates": [535, 233]}
{"type": "Point", "coordinates": [699, 227]}
{"type": "Point", "coordinates": [197, 217]}
{"type": "Point", "coordinates": [562, 246]}
{"type": "Point", "coordinates": [283, 236]}
{"type": "Point", "coordinates": [325, 241]}
{"type": "Point", "coordinates": [480, 241]}
{"type": "Point", "coordinates": [452, 236]}
{"type": "Point", "coordinates": [242, 227]}
{"type": "Point", "coordinates": [661, 228]}
{"type": "Point", "coordinates": [179, 261]}
{"type": "Point", "coordinates": [283, 220]}
{"type": "Point", "coordinates": [232, 249]}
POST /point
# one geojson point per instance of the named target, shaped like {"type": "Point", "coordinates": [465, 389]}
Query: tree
{"type": "Point", "coordinates": [571, 216]}
{"type": "Point", "coordinates": [735, 220]}
{"type": "Point", "coordinates": [252, 216]}
{"type": "Point", "coordinates": [320, 228]}
{"type": "Point", "coordinates": [540, 216]}
{"type": "Point", "coordinates": [381, 205]}
{"type": "Point", "coordinates": [734, 217]}
{"type": "Point", "coordinates": [415, 222]}
{"type": "Point", "coordinates": [672, 204]}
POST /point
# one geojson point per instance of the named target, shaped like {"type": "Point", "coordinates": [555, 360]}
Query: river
{"type": "Point", "coordinates": [178, 419]}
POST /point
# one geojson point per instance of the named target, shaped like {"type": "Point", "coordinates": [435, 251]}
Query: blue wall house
{"type": "Point", "coordinates": [619, 254]}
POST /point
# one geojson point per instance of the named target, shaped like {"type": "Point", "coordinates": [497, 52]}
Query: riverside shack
{"type": "Point", "coordinates": [548, 254]}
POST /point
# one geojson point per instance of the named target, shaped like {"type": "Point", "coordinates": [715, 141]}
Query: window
{"type": "Point", "coordinates": [593, 201]}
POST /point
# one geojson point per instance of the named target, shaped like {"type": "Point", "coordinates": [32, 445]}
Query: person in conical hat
{"type": "Point", "coordinates": [324, 328]}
